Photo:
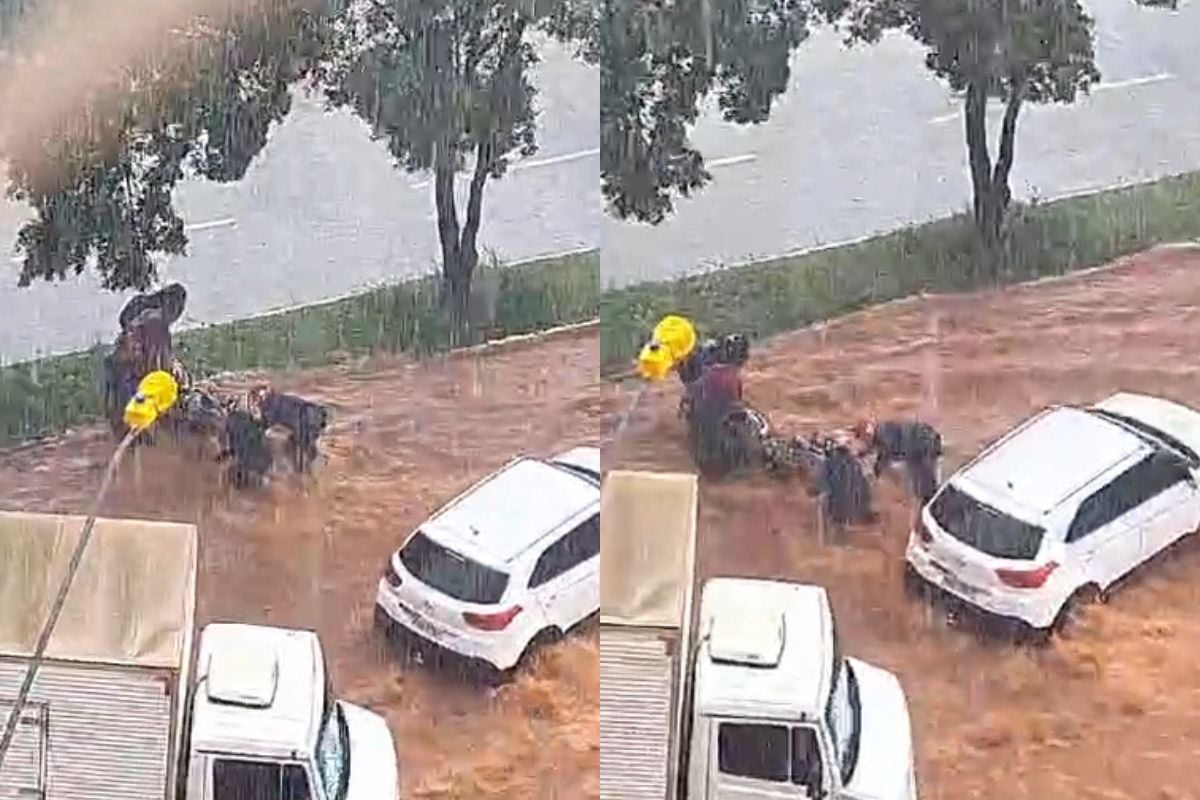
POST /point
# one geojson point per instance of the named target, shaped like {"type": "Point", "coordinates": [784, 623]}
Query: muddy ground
{"type": "Point", "coordinates": [406, 438]}
{"type": "Point", "coordinates": [1113, 711]}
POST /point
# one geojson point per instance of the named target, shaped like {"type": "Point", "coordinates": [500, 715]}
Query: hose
{"type": "Point", "coordinates": [156, 393]}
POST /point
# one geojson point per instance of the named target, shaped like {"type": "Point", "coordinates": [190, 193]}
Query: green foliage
{"type": "Point", "coordinates": [447, 84]}
{"type": "Point", "coordinates": [437, 80]}
{"type": "Point", "coordinates": [49, 395]}
{"type": "Point", "coordinates": [1040, 49]}
{"type": "Point", "coordinates": [659, 60]}
{"type": "Point", "coordinates": [101, 184]}
{"type": "Point", "coordinates": [788, 293]}
{"type": "Point", "coordinates": [443, 83]}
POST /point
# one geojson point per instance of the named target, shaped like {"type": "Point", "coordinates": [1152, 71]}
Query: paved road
{"type": "Point", "coordinates": [868, 141]}
{"type": "Point", "coordinates": [322, 213]}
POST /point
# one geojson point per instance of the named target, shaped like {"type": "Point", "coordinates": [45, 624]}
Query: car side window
{"type": "Point", "coordinates": [1167, 470]}
{"type": "Point", "coordinates": [582, 543]}
{"type": "Point", "coordinates": [1141, 482]}
{"type": "Point", "coordinates": [1095, 512]}
{"type": "Point", "coordinates": [255, 780]}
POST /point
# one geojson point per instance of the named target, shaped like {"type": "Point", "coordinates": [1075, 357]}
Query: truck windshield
{"type": "Point", "coordinates": [333, 749]}
{"type": "Point", "coordinates": [844, 717]}
{"type": "Point", "coordinates": [771, 753]}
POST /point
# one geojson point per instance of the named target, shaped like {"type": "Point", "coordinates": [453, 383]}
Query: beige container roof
{"type": "Point", "coordinates": [647, 547]}
{"type": "Point", "coordinates": [133, 600]}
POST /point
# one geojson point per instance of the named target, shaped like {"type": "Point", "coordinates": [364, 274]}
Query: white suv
{"type": "Point", "coordinates": [1062, 507]}
{"type": "Point", "coordinates": [511, 562]}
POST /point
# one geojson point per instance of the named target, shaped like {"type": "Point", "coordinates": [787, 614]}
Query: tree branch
{"type": "Point", "coordinates": [1008, 133]}
{"type": "Point", "coordinates": [484, 161]}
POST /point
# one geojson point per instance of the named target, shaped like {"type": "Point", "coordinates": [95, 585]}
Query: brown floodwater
{"type": "Point", "coordinates": [1111, 712]}
{"type": "Point", "coordinates": [406, 437]}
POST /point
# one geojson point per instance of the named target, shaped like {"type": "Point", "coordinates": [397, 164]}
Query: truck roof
{"type": "Point", "coordinates": [133, 600]}
{"type": "Point", "coordinates": [259, 691]}
{"type": "Point", "coordinates": [647, 548]}
{"type": "Point", "coordinates": [766, 649]}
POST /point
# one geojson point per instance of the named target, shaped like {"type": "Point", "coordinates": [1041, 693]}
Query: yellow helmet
{"type": "Point", "coordinates": [673, 340]}
{"type": "Point", "coordinates": [156, 393]}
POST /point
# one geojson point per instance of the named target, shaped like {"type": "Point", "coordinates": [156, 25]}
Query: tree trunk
{"type": "Point", "coordinates": [460, 251]}
{"type": "Point", "coordinates": [1000, 193]}
{"type": "Point", "coordinates": [977, 153]}
{"type": "Point", "coordinates": [456, 275]}
{"type": "Point", "coordinates": [991, 193]}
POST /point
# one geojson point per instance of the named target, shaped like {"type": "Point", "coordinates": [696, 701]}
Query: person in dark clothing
{"type": "Point", "coordinates": [733, 349]}
{"type": "Point", "coordinates": [304, 421]}
{"type": "Point", "coordinates": [692, 367]}
{"type": "Point", "coordinates": [244, 440]}
{"type": "Point", "coordinates": [151, 335]}
{"type": "Point", "coordinates": [917, 445]}
{"type": "Point", "coordinates": [722, 438]}
{"type": "Point", "coordinates": [120, 385]}
{"type": "Point", "coordinates": [843, 488]}
{"type": "Point", "coordinates": [169, 301]}
{"type": "Point", "coordinates": [142, 346]}
{"type": "Point", "coordinates": [923, 479]}
{"type": "Point", "coordinates": [708, 403]}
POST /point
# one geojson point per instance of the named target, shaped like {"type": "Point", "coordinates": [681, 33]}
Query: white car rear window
{"type": "Point", "coordinates": [984, 528]}
{"type": "Point", "coordinates": [451, 573]}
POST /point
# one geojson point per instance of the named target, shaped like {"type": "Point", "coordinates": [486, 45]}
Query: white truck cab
{"type": "Point", "coordinates": [129, 704]}
{"type": "Point", "coordinates": [265, 724]}
{"type": "Point", "coordinates": [779, 713]}
{"type": "Point", "coordinates": [748, 699]}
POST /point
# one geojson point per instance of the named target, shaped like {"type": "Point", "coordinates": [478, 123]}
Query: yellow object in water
{"type": "Point", "coordinates": [673, 340]}
{"type": "Point", "coordinates": [157, 392]}
{"type": "Point", "coordinates": [654, 362]}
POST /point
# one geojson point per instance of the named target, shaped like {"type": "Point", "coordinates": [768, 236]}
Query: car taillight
{"type": "Point", "coordinates": [389, 575]}
{"type": "Point", "coordinates": [1027, 578]}
{"type": "Point", "coordinates": [492, 622]}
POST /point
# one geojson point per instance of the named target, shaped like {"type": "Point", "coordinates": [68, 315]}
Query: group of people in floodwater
{"type": "Point", "coordinates": [728, 436]}
{"type": "Point", "coordinates": [237, 425]}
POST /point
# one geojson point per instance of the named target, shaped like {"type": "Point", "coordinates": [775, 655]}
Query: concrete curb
{"type": "Point", "coordinates": [522, 340]}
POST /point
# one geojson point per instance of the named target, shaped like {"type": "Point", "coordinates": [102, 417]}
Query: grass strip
{"type": "Point", "coordinates": [782, 294]}
{"type": "Point", "coordinates": [46, 396]}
